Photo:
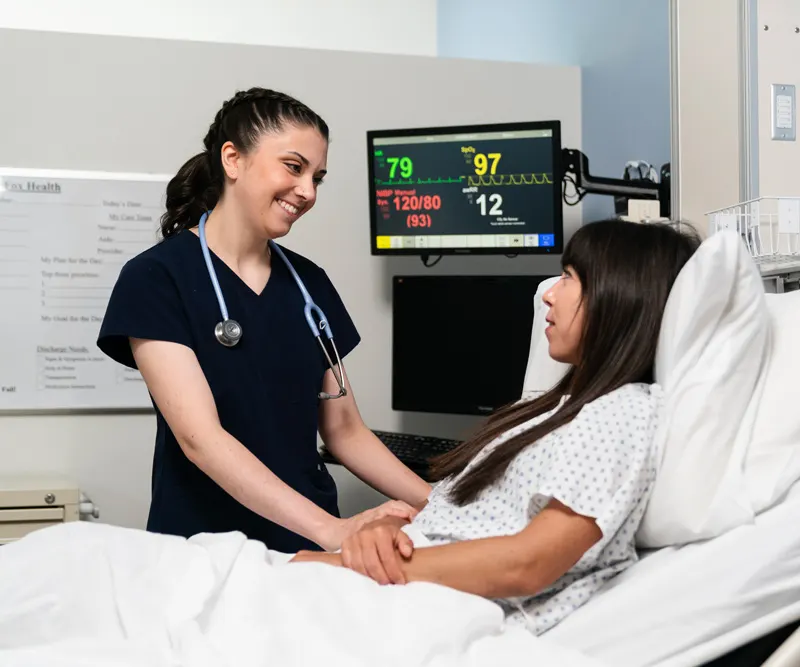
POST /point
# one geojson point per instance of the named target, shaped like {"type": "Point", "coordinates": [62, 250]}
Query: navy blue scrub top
{"type": "Point", "coordinates": [265, 388]}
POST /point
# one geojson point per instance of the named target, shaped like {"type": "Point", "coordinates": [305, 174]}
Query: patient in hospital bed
{"type": "Point", "coordinates": [540, 508]}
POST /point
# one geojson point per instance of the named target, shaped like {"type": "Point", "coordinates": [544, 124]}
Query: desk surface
{"type": "Point", "coordinates": [49, 483]}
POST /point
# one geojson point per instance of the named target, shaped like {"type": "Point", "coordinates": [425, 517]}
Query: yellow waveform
{"type": "Point", "coordinates": [510, 179]}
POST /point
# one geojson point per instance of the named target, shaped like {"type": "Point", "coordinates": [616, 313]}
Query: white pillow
{"type": "Point", "coordinates": [712, 350]}
{"type": "Point", "coordinates": [773, 458]}
{"type": "Point", "coordinates": [543, 372]}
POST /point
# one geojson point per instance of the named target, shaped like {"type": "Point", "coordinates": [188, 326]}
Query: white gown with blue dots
{"type": "Point", "coordinates": [603, 464]}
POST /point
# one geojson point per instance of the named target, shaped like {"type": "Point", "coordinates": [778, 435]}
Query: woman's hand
{"type": "Point", "coordinates": [317, 557]}
{"type": "Point", "coordinates": [341, 529]}
{"type": "Point", "coordinates": [377, 550]}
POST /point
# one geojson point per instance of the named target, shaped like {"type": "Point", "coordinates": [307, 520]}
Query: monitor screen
{"type": "Point", "coordinates": [460, 343]}
{"type": "Point", "coordinates": [485, 189]}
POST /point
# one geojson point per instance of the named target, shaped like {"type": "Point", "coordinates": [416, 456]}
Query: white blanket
{"type": "Point", "coordinates": [95, 595]}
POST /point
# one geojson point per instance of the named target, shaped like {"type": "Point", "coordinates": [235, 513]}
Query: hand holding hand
{"type": "Point", "coordinates": [378, 549]}
{"type": "Point", "coordinates": [344, 528]}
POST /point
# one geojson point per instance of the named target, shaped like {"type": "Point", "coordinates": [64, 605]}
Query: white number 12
{"type": "Point", "coordinates": [497, 202]}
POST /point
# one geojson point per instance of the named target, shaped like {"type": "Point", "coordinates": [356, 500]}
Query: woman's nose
{"type": "Point", "coordinates": [306, 189]}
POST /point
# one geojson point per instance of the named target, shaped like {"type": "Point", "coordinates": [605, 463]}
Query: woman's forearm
{"type": "Point", "coordinates": [522, 564]}
{"type": "Point", "coordinates": [178, 385]}
{"type": "Point", "coordinates": [234, 468]}
{"type": "Point", "coordinates": [363, 454]}
{"type": "Point", "coordinates": [517, 565]}
{"type": "Point", "coordinates": [496, 567]}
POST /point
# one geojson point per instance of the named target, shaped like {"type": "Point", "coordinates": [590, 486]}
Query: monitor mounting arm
{"type": "Point", "coordinates": [575, 169]}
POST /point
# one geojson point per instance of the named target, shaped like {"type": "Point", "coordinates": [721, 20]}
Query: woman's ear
{"type": "Point", "coordinates": [231, 158]}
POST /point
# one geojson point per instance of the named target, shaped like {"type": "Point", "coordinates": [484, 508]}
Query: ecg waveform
{"type": "Point", "coordinates": [420, 181]}
{"type": "Point", "coordinates": [497, 179]}
{"type": "Point", "coordinates": [510, 179]}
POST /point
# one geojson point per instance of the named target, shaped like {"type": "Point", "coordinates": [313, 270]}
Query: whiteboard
{"type": "Point", "coordinates": [64, 237]}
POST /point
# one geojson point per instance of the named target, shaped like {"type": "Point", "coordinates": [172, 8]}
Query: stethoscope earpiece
{"type": "Point", "coordinates": [228, 332]}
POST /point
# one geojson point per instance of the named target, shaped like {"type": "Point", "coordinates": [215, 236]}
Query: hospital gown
{"type": "Point", "coordinates": [603, 464]}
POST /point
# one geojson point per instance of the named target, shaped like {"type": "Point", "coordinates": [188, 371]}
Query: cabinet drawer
{"type": "Point", "coordinates": [27, 514]}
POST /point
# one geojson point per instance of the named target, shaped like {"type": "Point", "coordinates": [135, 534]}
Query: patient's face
{"type": "Point", "coordinates": [565, 318]}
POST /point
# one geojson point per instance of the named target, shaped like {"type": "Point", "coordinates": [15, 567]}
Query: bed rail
{"type": "Point", "coordinates": [788, 653]}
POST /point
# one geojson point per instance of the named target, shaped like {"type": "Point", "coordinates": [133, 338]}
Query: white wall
{"type": "Point", "coordinates": [348, 25]}
{"type": "Point", "coordinates": [778, 62]}
{"type": "Point", "coordinates": [707, 164]}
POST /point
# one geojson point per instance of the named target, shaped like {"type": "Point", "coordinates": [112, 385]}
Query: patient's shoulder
{"type": "Point", "coordinates": [634, 397]}
{"type": "Point", "coordinates": [627, 416]}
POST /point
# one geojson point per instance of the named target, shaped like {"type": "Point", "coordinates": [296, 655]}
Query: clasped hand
{"type": "Point", "coordinates": [379, 550]}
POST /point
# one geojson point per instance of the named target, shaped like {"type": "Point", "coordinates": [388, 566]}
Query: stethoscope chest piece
{"type": "Point", "coordinates": [228, 332]}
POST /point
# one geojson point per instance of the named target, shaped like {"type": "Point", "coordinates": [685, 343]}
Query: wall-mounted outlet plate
{"type": "Point", "coordinates": [784, 112]}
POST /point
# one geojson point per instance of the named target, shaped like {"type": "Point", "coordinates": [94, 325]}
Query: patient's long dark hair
{"type": "Point", "coordinates": [626, 271]}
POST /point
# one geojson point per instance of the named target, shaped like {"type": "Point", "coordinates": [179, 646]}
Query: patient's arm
{"type": "Point", "coordinates": [516, 565]}
{"type": "Point", "coordinates": [497, 567]}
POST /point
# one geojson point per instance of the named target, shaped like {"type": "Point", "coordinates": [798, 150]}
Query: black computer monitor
{"type": "Point", "coordinates": [460, 343]}
{"type": "Point", "coordinates": [476, 189]}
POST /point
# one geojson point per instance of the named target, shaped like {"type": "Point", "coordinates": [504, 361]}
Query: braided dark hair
{"type": "Point", "coordinates": [242, 120]}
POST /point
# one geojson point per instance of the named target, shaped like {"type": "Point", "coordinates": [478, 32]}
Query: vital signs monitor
{"type": "Point", "coordinates": [483, 189]}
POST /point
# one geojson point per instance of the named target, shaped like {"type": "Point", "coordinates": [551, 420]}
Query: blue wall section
{"type": "Point", "coordinates": [623, 48]}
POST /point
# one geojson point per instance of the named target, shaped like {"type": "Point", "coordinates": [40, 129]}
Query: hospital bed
{"type": "Point", "coordinates": [728, 598]}
{"type": "Point", "coordinates": [682, 607]}
{"type": "Point", "coordinates": [726, 602]}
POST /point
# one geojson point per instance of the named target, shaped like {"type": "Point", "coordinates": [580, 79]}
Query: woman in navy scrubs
{"type": "Point", "coordinates": [236, 439]}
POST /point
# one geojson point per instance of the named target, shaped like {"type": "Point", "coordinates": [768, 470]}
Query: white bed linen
{"type": "Point", "coordinates": [95, 596]}
{"type": "Point", "coordinates": [681, 607]}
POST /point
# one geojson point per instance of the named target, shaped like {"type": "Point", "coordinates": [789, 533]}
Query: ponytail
{"type": "Point", "coordinates": [190, 193]}
{"type": "Point", "coordinates": [198, 185]}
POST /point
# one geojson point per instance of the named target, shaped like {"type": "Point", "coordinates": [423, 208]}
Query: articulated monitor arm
{"type": "Point", "coordinates": [575, 168]}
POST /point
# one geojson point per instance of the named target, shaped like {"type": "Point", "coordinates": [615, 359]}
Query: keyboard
{"type": "Point", "coordinates": [413, 450]}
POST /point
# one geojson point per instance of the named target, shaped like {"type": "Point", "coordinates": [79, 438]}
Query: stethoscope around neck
{"type": "Point", "coordinates": [229, 331]}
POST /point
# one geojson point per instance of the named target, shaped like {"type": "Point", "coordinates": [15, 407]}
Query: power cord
{"type": "Point", "coordinates": [438, 258]}
{"type": "Point", "coordinates": [425, 260]}
{"type": "Point", "coordinates": [578, 194]}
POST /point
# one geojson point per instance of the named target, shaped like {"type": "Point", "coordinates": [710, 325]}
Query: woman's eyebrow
{"type": "Point", "coordinates": [305, 161]}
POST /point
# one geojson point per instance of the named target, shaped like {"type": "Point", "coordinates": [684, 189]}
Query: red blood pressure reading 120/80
{"type": "Point", "coordinates": [418, 203]}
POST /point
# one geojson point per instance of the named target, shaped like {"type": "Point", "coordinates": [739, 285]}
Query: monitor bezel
{"type": "Point", "coordinates": [558, 232]}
